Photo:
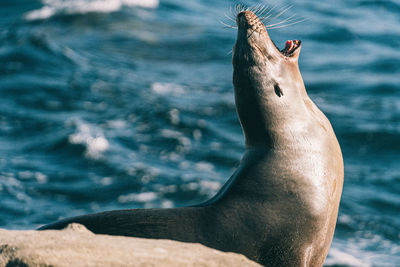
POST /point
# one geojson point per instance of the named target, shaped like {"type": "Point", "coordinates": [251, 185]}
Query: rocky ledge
{"type": "Point", "coordinates": [77, 246]}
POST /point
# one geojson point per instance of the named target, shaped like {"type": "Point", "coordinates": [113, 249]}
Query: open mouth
{"type": "Point", "coordinates": [290, 47]}
{"type": "Point", "coordinates": [246, 19]}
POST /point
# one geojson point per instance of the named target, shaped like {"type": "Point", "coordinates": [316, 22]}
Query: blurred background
{"type": "Point", "coordinates": [113, 104]}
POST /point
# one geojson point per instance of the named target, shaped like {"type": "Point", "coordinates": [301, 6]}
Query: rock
{"type": "Point", "coordinates": [77, 246]}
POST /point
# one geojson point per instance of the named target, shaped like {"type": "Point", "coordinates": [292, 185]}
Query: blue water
{"type": "Point", "coordinates": [113, 104]}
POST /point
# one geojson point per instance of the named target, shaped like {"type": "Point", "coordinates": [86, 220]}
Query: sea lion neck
{"type": "Point", "coordinates": [269, 90]}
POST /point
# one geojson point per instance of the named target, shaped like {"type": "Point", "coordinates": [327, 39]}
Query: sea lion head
{"type": "Point", "coordinates": [268, 84]}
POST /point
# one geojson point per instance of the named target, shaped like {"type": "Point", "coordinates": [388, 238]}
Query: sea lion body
{"type": "Point", "coordinates": [280, 206]}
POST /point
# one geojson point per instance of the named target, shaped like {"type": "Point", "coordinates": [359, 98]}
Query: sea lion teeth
{"type": "Point", "coordinates": [289, 45]}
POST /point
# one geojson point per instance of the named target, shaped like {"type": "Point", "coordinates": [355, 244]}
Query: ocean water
{"type": "Point", "coordinates": [111, 104]}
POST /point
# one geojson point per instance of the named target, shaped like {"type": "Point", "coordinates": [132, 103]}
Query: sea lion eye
{"type": "Point", "coordinates": [278, 90]}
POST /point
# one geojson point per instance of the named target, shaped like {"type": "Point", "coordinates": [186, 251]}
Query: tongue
{"type": "Point", "coordinates": [288, 45]}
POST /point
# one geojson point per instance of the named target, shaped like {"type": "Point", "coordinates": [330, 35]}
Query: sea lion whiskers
{"type": "Point", "coordinates": [239, 8]}
{"type": "Point", "coordinates": [290, 18]}
{"type": "Point", "coordinates": [290, 23]}
{"type": "Point", "coordinates": [270, 16]}
{"type": "Point", "coordinates": [231, 16]}
{"type": "Point", "coordinates": [276, 15]}
{"type": "Point", "coordinates": [227, 25]}
{"type": "Point", "coordinates": [264, 9]}
{"type": "Point", "coordinates": [265, 14]}
{"type": "Point", "coordinates": [257, 10]}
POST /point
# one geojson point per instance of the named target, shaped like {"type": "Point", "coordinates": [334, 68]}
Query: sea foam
{"type": "Point", "coordinates": [55, 7]}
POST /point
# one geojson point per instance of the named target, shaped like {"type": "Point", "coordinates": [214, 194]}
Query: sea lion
{"type": "Point", "coordinates": [280, 206]}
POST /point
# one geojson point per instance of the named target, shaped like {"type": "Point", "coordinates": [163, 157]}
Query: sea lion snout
{"type": "Point", "coordinates": [253, 43]}
{"type": "Point", "coordinates": [249, 20]}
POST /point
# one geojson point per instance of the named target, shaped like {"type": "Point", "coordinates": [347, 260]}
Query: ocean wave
{"type": "Point", "coordinates": [91, 137]}
{"type": "Point", "coordinates": [340, 258]}
{"type": "Point", "coordinates": [167, 89]}
{"type": "Point", "coordinates": [363, 252]}
{"type": "Point", "coordinates": [56, 7]}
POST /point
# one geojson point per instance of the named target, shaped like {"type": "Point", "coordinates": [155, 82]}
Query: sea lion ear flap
{"type": "Point", "coordinates": [277, 89]}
